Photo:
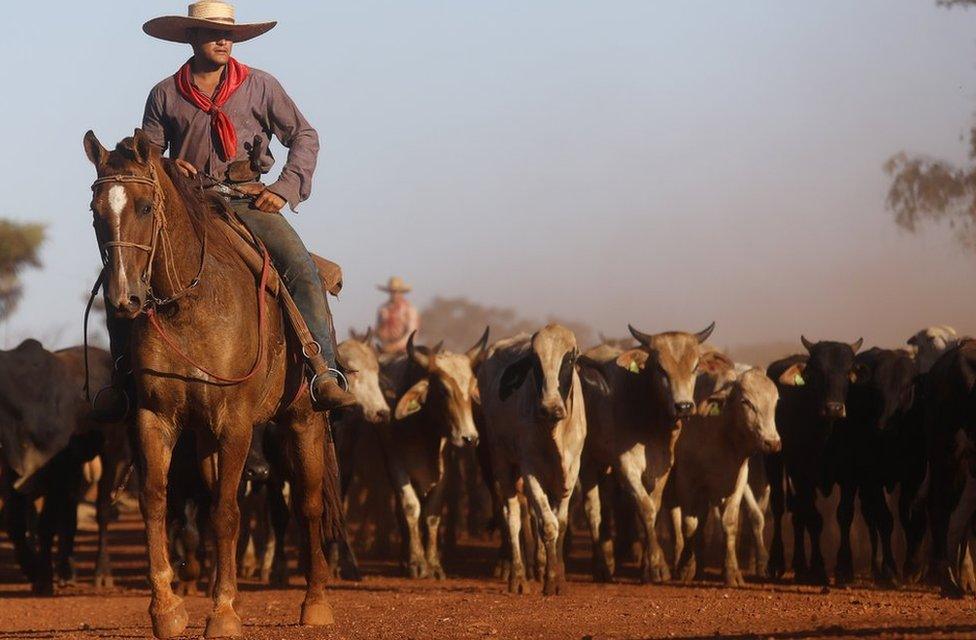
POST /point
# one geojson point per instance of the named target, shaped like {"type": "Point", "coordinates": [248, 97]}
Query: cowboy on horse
{"type": "Point", "coordinates": [216, 116]}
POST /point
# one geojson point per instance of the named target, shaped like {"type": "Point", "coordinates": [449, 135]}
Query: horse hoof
{"type": "Point", "coordinates": [224, 623]}
{"type": "Point", "coordinates": [169, 624]}
{"type": "Point", "coordinates": [316, 614]}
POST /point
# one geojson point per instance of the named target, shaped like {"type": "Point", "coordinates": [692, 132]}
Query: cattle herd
{"type": "Point", "coordinates": [664, 423]}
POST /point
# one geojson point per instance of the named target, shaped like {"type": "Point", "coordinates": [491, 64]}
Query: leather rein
{"type": "Point", "coordinates": [160, 239]}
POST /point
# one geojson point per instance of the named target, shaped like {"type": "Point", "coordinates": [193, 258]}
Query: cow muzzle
{"type": "Point", "coordinates": [684, 409]}
{"type": "Point", "coordinates": [552, 412]}
{"type": "Point", "coordinates": [772, 445]}
{"type": "Point", "coordinates": [834, 410]}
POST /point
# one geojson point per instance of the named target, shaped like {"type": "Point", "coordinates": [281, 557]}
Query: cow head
{"type": "Point", "coordinates": [749, 406]}
{"type": "Point", "coordinates": [256, 467]}
{"type": "Point", "coordinates": [827, 373]}
{"type": "Point", "coordinates": [931, 343]}
{"type": "Point", "coordinates": [363, 374]}
{"type": "Point", "coordinates": [553, 359]}
{"type": "Point", "coordinates": [447, 389]}
{"type": "Point", "coordinates": [883, 384]}
{"type": "Point", "coordinates": [668, 363]}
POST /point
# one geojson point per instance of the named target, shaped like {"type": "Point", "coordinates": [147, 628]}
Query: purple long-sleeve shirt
{"type": "Point", "coordinates": [259, 107]}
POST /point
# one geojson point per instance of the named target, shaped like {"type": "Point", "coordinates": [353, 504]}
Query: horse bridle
{"type": "Point", "coordinates": [159, 233]}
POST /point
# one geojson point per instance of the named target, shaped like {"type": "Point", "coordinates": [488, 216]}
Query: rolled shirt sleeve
{"type": "Point", "coordinates": [288, 124]}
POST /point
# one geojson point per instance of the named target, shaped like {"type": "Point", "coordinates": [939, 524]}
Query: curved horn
{"type": "Point", "coordinates": [702, 335]}
{"type": "Point", "coordinates": [643, 338]}
{"type": "Point", "coordinates": [857, 344]}
{"type": "Point", "coordinates": [806, 343]}
{"type": "Point", "coordinates": [421, 359]}
{"type": "Point", "coordinates": [474, 353]}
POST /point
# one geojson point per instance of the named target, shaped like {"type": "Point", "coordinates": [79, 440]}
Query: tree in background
{"type": "Point", "coordinates": [924, 188]}
{"type": "Point", "coordinates": [459, 322]}
{"type": "Point", "coordinates": [20, 244]}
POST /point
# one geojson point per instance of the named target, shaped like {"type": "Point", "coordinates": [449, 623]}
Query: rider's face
{"type": "Point", "coordinates": [211, 45]}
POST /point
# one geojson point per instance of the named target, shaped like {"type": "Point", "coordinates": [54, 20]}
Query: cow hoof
{"type": "Point", "coordinates": [843, 575]}
{"type": "Point", "coordinates": [733, 578]}
{"type": "Point", "coordinates": [278, 577]}
{"type": "Point", "coordinates": [317, 614]}
{"type": "Point", "coordinates": [351, 574]}
{"type": "Point", "coordinates": [887, 578]}
{"type": "Point", "coordinates": [687, 572]}
{"type": "Point", "coordinates": [223, 623]}
{"type": "Point", "coordinates": [104, 581]}
{"type": "Point", "coordinates": [417, 569]}
{"type": "Point", "coordinates": [502, 569]}
{"type": "Point", "coordinates": [44, 588]}
{"type": "Point", "coordinates": [602, 573]}
{"type": "Point", "coordinates": [187, 589]}
{"type": "Point", "coordinates": [171, 623]}
{"type": "Point", "coordinates": [818, 577]}
{"type": "Point", "coordinates": [656, 574]}
{"type": "Point", "coordinates": [553, 587]}
{"type": "Point", "coordinates": [518, 585]}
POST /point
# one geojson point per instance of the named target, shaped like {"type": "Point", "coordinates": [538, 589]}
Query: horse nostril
{"type": "Point", "coordinates": [135, 303]}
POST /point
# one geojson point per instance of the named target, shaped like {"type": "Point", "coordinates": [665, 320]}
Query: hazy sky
{"type": "Point", "coordinates": [664, 164]}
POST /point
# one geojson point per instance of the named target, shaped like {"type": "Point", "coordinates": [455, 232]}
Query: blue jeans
{"type": "Point", "coordinates": [297, 269]}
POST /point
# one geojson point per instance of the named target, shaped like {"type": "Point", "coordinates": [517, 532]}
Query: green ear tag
{"type": "Point", "coordinates": [634, 367]}
{"type": "Point", "coordinates": [413, 406]}
{"type": "Point", "coordinates": [714, 410]}
{"type": "Point", "coordinates": [799, 381]}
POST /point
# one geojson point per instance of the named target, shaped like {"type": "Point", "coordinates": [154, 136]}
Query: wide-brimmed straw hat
{"type": "Point", "coordinates": [206, 14]}
{"type": "Point", "coordinates": [395, 285]}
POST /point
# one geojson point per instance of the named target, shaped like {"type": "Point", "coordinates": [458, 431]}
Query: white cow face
{"type": "Point", "coordinates": [931, 343]}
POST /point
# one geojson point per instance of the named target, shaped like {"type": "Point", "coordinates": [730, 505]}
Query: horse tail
{"type": "Point", "coordinates": [333, 520]}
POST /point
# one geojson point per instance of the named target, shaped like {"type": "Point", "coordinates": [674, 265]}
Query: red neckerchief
{"type": "Point", "coordinates": [234, 75]}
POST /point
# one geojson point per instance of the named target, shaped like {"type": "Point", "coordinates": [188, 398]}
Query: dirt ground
{"type": "Point", "coordinates": [472, 606]}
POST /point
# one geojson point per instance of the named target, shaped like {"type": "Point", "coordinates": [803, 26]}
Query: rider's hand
{"type": "Point", "coordinates": [269, 202]}
{"type": "Point", "coordinates": [186, 168]}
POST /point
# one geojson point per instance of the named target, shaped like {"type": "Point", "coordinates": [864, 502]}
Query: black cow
{"type": "Point", "coordinates": [950, 428]}
{"type": "Point", "coordinates": [870, 456]}
{"type": "Point", "coordinates": [813, 398]}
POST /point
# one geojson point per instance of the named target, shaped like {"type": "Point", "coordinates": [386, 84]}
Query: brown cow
{"type": "Point", "coordinates": [435, 391]}
{"type": "Point", "coordinates": [712, 465]}
{"type": "Point", "coordinates": [633, 428]}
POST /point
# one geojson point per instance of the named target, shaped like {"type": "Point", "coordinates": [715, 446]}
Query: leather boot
{"type": "Point", "coordinates": [326, 392]}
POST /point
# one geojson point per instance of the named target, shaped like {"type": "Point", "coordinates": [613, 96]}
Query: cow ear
{"type": "Point", "coordinates": [633, 360]}
{"type": "Point", "coordinates": [591, 372]}
{"type": "Point", "coordinates": [475, 391]}
{"type": "Point", "coordinates": [713, 406]}
{"type": "Point", "coordinates": [94, 149]}
{"type": "Point", "coordinates": [793, 376]}
{"type": "Point", "coordinates": [715, 362]}
{"type": "Point", "coordinates": [413, 400]}
{"type": "Point", "coordinates": [514, 376]}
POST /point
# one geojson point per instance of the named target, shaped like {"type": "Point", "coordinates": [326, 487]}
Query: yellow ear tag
{"type": "Point", "coordinates": [413, 406]}
{"type": "Point", "coordinates": [799, 381]}
{"type": "Point", "coordinates": [634, 367]}
{"type": "Point", "coordinates": [714, 409]}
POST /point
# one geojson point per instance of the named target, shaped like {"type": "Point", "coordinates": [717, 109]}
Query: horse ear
{"type": "Point", "coordinates": [143, 147]}
{"type": "Point", "coordinates": [94, 149]}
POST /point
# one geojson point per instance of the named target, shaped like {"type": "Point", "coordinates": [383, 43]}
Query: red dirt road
{"type": "Point", "coordinates": [471, 607]}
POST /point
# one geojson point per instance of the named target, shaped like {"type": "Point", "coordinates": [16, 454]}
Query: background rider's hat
{"type": "Point", "coordinates": [395, 285]}
{"type": "Point", "coordinates": [206, 14]}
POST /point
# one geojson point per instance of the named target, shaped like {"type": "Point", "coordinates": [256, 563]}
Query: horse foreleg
{"type": "Point", "coordinates": [308, 449]}
{"type": "Point", "coordinates": [223, 620]}
{"type": "Point", "coordinates": [156, 439]}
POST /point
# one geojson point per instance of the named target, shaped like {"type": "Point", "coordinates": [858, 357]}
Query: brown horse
{"type": "Point", "coordinates": [209, 353]}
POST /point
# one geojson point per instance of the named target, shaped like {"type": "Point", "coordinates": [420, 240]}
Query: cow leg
{"type": "Point", "coordinates": [686, 563]}
{"type": "Point", "coordinates": [156, 440]}
{"type": "Point", "coordinates": [17, 511]}
{"type": "Point", "coordinates": [307, 440]}
{"type": "Point", "coordinates": [757, 525]}
{"type": "Point", "coordinates": [844, 571]}
{"type": "Point", "coordinates": [47, 525]}
{"type": "Point", "coordinates": [603, 561]}
{"type": "Point", "coordinates": [68, 526]}
{"type": "Point", "coordinates": [432, 508]}
{"type": "Point", "coordinates": [113, 470]}
{"type": "Point", "coordinates": [279, 515]}
{"type": "Point", "coordinates": [549, 527]}
{"type": "Point", "coordinates": [653, 566]}
{"type": "Point", "coordinates": [879, 518]}
{"type": "Point", "coordinates": [513, 520]}
{"type": "Point", "coordinates": [814, 527]}
{"type": "Point", "coordinates": [777, 501]}
{"type": "Point", "coordinates": [801, 569]}
{"type": "Point", "coordinates": [957, 537]}
{"type": "Point", "coordinates": [913, 522]}
{"type": "Point", "coordinates": [410, 508]}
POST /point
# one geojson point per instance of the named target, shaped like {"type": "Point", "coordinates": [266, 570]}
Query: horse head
{"type": "Point", "coordinates": [126, 203]}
